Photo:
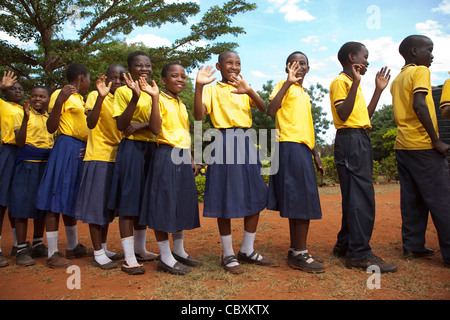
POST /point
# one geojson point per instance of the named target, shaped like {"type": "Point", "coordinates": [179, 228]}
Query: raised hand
{"type": "Point", "coordinates": [292, 70]}
{"type": "Point", "coordinates": [132, 84]}
{"type": "Point", "coordinates": [8, 80]}
{"type": "Point", "coordinates": [152, 90]}
{"type": "Point", "coordinates": [101, 86]}
{"type": "Point", "coordinates": [241, 85]}
{"type": "Point", "coordinates": [204, 77]}
{"type": "Point", "coordinates": [382, 78]}
{"type": "Point", "coordinates": [67, 91]}
{"type": "Point", "coordinates": [356, 71]}
{"type": "Point", "coordinates": [26, 109]}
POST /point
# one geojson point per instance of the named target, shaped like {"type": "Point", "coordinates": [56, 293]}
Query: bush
{"type": "Point", "coordinates": [331, 175]}
{"type": "Point", "coordinates": [200, 182]}
{"type": "Point", "coordinates": [389, 167]}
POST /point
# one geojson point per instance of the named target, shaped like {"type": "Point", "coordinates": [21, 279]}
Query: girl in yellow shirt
{"type": "Point", "coordinates": [34, 145]}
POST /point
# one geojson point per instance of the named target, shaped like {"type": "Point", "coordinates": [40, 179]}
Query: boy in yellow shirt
{"type": "Point", "coordinates": [353, 157]}
{"type": "Point", "coordinates": [445, 100]}
{"type": "Point", "coordinates": [421, 156]}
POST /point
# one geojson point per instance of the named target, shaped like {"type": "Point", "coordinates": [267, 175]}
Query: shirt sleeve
{"type": "Point", "coordinates": [207, 98]}
{"type": "Point", "coordinates": [421, 80]}
{"type": "Point", "coordinates": [91, 100]}
{"type": "Point", "coordinates": [445, 97]}
{"type": "Point", "coordinates": [18, 121]}
{"type": "Point", "coordinates": [120, 103]}
{"type": "Point", "coordinates": [275, 90]}
{"type": "Point", "coordinates": [338, 92]}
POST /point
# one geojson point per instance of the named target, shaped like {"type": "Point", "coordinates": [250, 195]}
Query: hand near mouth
{"type": "Point", "coordinates": [293, 69]}
{"type": "Point", "coordinates": [132, 84]}
{"type": "Point", "coordinates": [241, 85]}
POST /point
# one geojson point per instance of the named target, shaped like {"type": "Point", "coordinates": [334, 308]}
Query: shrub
{"type": "Point", "coordinates": [389, 167]}
{"type": "Point", "coordinates": [200, 182]}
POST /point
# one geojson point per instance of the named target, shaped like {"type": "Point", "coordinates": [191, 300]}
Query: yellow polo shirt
{"type": "Point", "coordinates": [339, 89]}
{"type": "Point", "coordinates": [411, 134]}
{"type": "Point", "coordinates": [294, 119]}
{"type": "Point", "coordinates": [104, 138]}
{"type": "Point", "coordinates": [8, 111]}
{"type": "Point", "coordinates": [73, 118]}
{"type": "Point", "coordinates": [37, 133]}
{"type": "Point", "coordinates": [445, 97]}
{"type": "Point", "coordinates": [122, 97]}
{"type": "Point", "coordinates": [174, 122]}
{"type": "Point", "coordinates": [227, 110]}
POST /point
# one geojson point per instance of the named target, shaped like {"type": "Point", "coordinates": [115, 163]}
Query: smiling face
{"type": "Point", "coordinates": [361, 58]}
{"type": "Point", "coordinates": [15, 93]}
{"type": "Point", "coordinates": [229, 66]}
{"type": "Point", "coordinates": [141, 67]}
{"type": "Point", "coordinates": [174, 80]}
{"type": "Point", "coordinates": [39, 99]}
{"type": "Point", "coordinates": [303, 63]}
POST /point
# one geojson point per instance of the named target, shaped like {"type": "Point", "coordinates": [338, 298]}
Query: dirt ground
{"type": "Point", "coordinates": [424, 279]}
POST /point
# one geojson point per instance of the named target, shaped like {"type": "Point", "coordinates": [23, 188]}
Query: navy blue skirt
{"type": "Point", "coordinates": [234, 186]}
{"type": "Point", "coordinates": [130, 172]}
{"type": "Point", "coordinates": [94, 193]}
{"type": "Point", "coordinates": [170, 201]}
{"type": "Point", "coordinates": [293, 189]}
{"type": "Point", "coordinates": [7, 164]}
{"type": "Point", "coordinates": [25, 185]}
{"type": "Point", "coordinates": [58, 190]}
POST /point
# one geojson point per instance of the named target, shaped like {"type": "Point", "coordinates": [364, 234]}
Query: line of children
{"type": "Point", "coordinates": [138, 134]}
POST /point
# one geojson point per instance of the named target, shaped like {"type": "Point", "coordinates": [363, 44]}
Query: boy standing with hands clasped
{"type": "Point", "coordinates": [353, 157]}
{"type": "Point", "coordinates": [421, 156]}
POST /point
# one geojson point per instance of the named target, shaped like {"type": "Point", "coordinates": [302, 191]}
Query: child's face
{"type": "Point", "coordinates": [424, 55]}
{"type": "Point", "coordinates": [229, 67]}
{"type": "Point", "coordinates": [115, 76]}
{"type": "Point", "coordinates": [141, 68]}
{"type": "Point", "coordinates": [15, 93]}
{"type": "Point", "coordinates": [39, 99]}
{"type": "Point", "coordinates": [361, 58]}
{"type": "Point", "coordinates": [85, 81]}
{"type": "Point", "coordinates": [303, 63]}
{"type": "Point", "coordinates": [175, 79]}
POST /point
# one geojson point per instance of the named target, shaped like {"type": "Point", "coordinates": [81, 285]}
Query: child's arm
{"type": "Point", "coordinates": [21, 133]}
{"type": "Point", "coordinates": [103, 90]}
{"type": "Point", "coordinates": [318, 162]}
{"type": "Point", "coordinates": [124, 120]}
{"type": "Point", "coordinates": [8, 80]}
{"type": "Point", "coordinates": [55, 115]}
{"type": "Point", "coordinates": [155, 117]}
{"type": "Point", "coordinates": [381, 81]}
{"type": "Point", "coordinates": [421, 109]}
{"type": "Point", "coordinates": [242, 87]}
{"type": "Point", "coordinates": [446, 112]}
{"type": "Point", "coordinates": [204, 77]}
{"type": "Point", "coordinates": [345, 109]}
{"type": "Point", "coordinates": [275, 104]}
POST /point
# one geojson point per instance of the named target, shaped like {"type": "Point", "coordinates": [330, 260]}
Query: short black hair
{"type": "Point", "coordinates": [74, 70]}
{"type": "Point", "coordinates": [135, 54]}
{"type": "Point", "coordinates": [227, 52]}
{"type": "Point", "coordinates": [410, 42]}
{"type": "Point", "coordinates": [166, 68]}
{"type": "Point", "coordinates": [294, 53]}
{"type": "Point", "coordinates": [115, 65]}
{"type": "Point", "coordinates": [42, 87]}
{"type": "Point", "coordinates": [349, 47]}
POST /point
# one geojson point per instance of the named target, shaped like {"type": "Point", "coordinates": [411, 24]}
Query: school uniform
{"type": "Point", "coordinates": [60, 183]}
{"type": "Point", "coordinates": [31, 160]}
{"type": "Point", "coordinates": [8, 111]}
{"type": "Point", "coordinates": [353, 157]}
{"type": "Point", "coordinates": [423, 172]}
{"type": "Point", "coordinates": [234, 186]}
{"type": "Point", "coordinates": [133, 156]}
{"type": "Point", "coordinates": [101, 149]}
{"type": "Point", "coordinates": [445, 97]}
{"type": "Point", "coordinates": [170, 201]}
{"type": "Point", "coordinates": [293, 188]}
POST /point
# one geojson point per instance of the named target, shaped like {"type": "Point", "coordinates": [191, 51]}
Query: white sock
{"type": "Point", "coordinates": [247, 244]}
{"type": "Point", "coordinates": [178, 244]}
{"type": "Point", "coordinates": [227, 244]}
{"type": "Point", "coordinates": [72, 237]}
{"type": "Point", "coordinates": [52, 242]}
{"type": "Point", "coordinates": [107, 252]}
{"type": "Point", "coordinates": [14, 237]}
{"type": "Point", "coordinates": [100, 257]}
{"type": "Point", "coordinates": [128, 251]}
{"type": "Point", "coordinates": [296, 253]}
{"type": "Point", "coordinates": [166, 254]}
{"type": "Point", "coordinates": [140, 244]}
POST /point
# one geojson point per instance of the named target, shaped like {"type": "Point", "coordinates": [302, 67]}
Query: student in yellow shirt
{"type": "Point", "coordinates": [133, 112]}
{"type": "Point", "coordinates": [353, 156]}
{"type": "Point", "coordinates": [445, 100]}
{"type": "Point", "coordinates": [234, 185]}
{"type": "Point", "coordinates": [101, 149]}
{"type": "Point", "coordinates": [421, 155]}
{"type": "Point", "coordinates": [13, 93]}
{"type": "Point", "coordinates": [60, 182]}
{"type": "Point", "coordinates": [293, 189]}
{"type": "Point", "coordinates": [34, 145]}
{"type": "Point", "coordinates": [170, 203]}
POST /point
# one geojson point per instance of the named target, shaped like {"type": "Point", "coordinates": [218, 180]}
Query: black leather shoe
{"type": "Point", "coordinates": [189, 261]}
{"type": "Point", "coordinates": [178, 268]}
{"type": "Point", "coordinates": [426, 252]}
{"type": "Point", "coordinates": [371, 260]}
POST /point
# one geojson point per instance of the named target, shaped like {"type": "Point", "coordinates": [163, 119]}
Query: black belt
{"type": "Point", "coordinates": [353, 131]}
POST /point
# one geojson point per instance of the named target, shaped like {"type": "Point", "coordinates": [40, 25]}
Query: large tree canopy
{"type": "Point", "coordinates": [103, 26]}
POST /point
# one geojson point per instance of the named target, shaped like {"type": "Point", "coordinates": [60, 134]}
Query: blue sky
{"type": "Point", "coordinates": [319, 28]}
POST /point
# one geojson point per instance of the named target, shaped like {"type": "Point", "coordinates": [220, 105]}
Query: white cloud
{"type": "Point", "coordinates": [15, 41]}
{"type": "Point", "coordinates": [150, 40]}
{"type": "Point", "coordinates": [311, 40]}
{"type": "Point", "coordinates": [260, 74]}
{"type": "Point", "coordinates": [444, 7]}
{"type": "Point", "coordinates": [292, 11]}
